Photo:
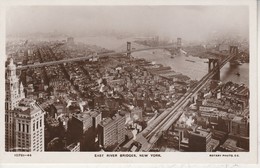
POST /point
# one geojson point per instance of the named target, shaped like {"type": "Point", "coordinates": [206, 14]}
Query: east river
{"type": "Point", "coordinates": [196, 68]}
{"type": "Point", "coordinates": [193, 67]}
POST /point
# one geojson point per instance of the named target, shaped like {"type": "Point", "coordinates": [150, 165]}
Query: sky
{"type": "Point", "coordinates": [189, 22]}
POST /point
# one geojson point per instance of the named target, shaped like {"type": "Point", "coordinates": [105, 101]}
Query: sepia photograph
{"type": "Point", "coordinates": [126, 81]}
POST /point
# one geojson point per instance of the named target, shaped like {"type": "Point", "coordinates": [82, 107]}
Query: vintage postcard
{"type": "Point", "coordinates": [129, 82]}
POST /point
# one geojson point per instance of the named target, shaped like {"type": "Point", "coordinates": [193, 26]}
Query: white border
{"type": "Point", "coordinates": [180, 157]}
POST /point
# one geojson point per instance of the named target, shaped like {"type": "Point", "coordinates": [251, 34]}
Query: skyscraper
{"type": "Point", "coordinates": [111, 131]}
{"type": "Point", "coordinates": [24, 118]}
{"type": "Point", "coordinates": [83, 129]}
{"type": "Point", "coordinates": [199, 141]}
{"type": "Point", "coordinates": [14, 90]}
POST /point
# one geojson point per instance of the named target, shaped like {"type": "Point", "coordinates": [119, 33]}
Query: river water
{"type": "Point", "coordinates": [193, 67]}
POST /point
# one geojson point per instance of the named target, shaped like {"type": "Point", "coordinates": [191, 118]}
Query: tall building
{"type": "Point", "coordinates": [24, 118]}
{"type": "Point", "coordinates": [240, 127]}
{"type": "Point", "coordinates": [111, 131]}
{"type": "Point", "coordinates": [81, 122]}
{"type": "Point", "coordinates": [83, 128]}
{"type": "Point", "coordinates": [199, 141]}
{"type": "Point", "coordinates": [14, 92]}
{"type": "Point", "coordinates": [25, 127]}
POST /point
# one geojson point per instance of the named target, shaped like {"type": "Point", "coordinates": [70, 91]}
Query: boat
{"type": "Point", "coordinates": [172, 56]}
{"type": "Point", "coordinates": [238, 74]}
{"type": "Point", "coordinates": [189, 60]}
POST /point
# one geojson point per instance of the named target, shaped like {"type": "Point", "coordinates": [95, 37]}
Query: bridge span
{"type": "Point", "coordinates": [149, 136]}
{"type": "Point", "coordinates": [128, 52]}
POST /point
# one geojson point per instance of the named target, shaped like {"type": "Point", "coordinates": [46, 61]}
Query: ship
{"type": "Point", "coordinates": [189, 60]}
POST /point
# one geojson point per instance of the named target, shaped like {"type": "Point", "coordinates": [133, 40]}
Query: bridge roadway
{"type": "Point", "coordinates": [88, 57]}
{"type": "Point", "coordinates": [153, 131]}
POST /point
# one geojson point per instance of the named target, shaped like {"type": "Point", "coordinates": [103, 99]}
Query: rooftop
{"type": "Point", "coordinates": [27, 107]}
{"type": "Point", "coordinates": [200, 132]}
{"type": "Point", "coordinates": [86, 115]}
{"type": "Point", "coordinates": [110, 120]}
{"type": "Point", "coordinates": [231, 145]}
